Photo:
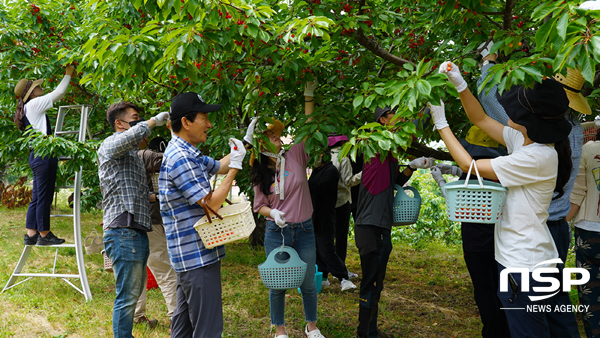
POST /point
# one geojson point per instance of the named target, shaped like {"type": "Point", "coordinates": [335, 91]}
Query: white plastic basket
{"type": "Point", "coordinates": [232, 223]}
{"type": "Point", "coordinates": [470, 202]}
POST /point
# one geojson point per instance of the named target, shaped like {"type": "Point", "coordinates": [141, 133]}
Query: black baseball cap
{"type": "Point", "coordinates": [190, 102]}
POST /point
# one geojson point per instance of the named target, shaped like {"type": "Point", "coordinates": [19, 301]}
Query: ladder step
{"type": "Point", "coordinates": [56, 275]}
{"type": "Point", "coordinates": [64, 158]}
{"type": "Point", "coordinates": [67, 132]}
{"type": "Point", "coordinates": [62, 215]}
{"type": "Point", "coordinates": [56, 246]}
{"type": "Point", "coordinates": [66, 187]}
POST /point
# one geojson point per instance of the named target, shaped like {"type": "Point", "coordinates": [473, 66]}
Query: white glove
{"type": "Point", "coordinates": [248, 138]}
{"type": "Point", "coordinates": [453, 75]}
{"type": "Point", "coordinates": [590, 5]}
{"type": "Point", "coordinates": [439, 179]}
{"type": "Point", "coordinates": [238, 152]}
{"type": "Point", "coordinates": [487, 46]}
{"type": "Point", "coordinates": [161, 118]}
{"type": "Point", "coordinates": [438, 115]}
{"type": "Point", "coordinates": [448, 169]}
{"type": "Point", "coordinates": [309, 89]}
{"type": "Point", "coordinates": [422, 162]}
{"type": "Point", "coordinates": [279, 217]}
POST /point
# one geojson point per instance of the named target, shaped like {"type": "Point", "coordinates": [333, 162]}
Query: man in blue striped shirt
{"type": "Point", "coordinates": [183, 181]}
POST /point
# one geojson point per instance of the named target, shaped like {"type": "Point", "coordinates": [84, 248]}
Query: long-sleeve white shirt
{"type": "Point", "coordinates": [35, 109]}
{"type": "Point", "coordinates": [347, 180]}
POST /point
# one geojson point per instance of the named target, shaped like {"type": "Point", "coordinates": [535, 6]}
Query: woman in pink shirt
{"type": "Point", "coordinates": [281, 194]}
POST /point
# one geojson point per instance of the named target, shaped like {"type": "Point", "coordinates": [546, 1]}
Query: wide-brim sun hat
{"type": "Point", "coordinates": [540, 109]}
{"type": "Point", "coordinates": [573, 84]}
{"type": "Point", "coordinates": [277, 128]}
{"type": "Point", "coordinates": [20, 87]}
{"type": "Point", "coordinates": [336, 140]}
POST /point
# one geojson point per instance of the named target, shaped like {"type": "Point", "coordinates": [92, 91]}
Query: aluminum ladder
{"type": "Point", "coordinates": [85, 288]}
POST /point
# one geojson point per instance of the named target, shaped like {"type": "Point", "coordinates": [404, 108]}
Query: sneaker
{"type": "Point", "coordinates": [50, 239]}
{"type": "Point", "coordinates": [325, 283]}
{"type": "Point", "coordinates": [31, 240]}
{"type": "Point", "coordinates": [313, 334]}
{"type": "Point", "coordinates": [347, 285]}
{"type": "Point", "coordinates": [352, 275]}
{"type": "Point", "coordinates": [150, 322]}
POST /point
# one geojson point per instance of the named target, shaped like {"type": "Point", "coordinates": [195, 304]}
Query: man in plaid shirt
{"type": "Point", "coordinates": [183, 181]}
{"type": "Point", "coordinates": [126, 207]}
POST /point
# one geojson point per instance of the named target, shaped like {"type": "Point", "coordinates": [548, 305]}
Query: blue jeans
{"type": "Point", "coordinates": [128, 251]}
{"type": "Point", "coordinates": [301, 237]}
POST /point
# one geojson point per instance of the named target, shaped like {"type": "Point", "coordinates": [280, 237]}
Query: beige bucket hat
{"type": "Point", "coordinates": [20, 87]}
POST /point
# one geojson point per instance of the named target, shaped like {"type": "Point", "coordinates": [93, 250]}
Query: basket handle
{"type": "Point", "coordinates": [469, 174]}
{"type": "Point", "coordinates": [294, 257]}
{"type": "Point", "coordinates": [415, 192]}
{"type": "Point", "coordinates": [207, 209]}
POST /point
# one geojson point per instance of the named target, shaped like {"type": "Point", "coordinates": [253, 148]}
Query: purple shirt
{"type": "Point", "coordinates": [297, 204]}
{"type": "Point", "coordinates": [376, 175]}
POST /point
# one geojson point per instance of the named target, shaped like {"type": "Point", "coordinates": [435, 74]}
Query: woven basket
{"type": "Point", "coordinates": [281, 274]}
{"type": "Point", "coordinates": [468, 201]}
{"type": "Point", "coordinates": [406, 208]}
{"type": "Point", "coordinates": [233, 223]}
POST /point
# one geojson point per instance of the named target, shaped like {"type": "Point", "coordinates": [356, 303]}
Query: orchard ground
{"type": "Point", "coordinates": [428, 292]}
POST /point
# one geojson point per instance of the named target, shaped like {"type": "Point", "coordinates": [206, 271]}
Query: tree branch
{"type": "Point", "coordinates": [373, 46]}
{"type": "Point", "coordinates": [507, 20]}
{"type": "Point", "coordinates": [417, 150]}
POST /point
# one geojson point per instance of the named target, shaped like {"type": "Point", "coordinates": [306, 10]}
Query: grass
{"type": "Point", "coordinates": [428, 293]}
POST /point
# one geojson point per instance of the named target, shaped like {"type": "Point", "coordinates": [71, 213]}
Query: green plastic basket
{"type": "Point", "coordinates": [406, 208]}
{"type": "Point", "coordinates": [280, 274]}
{"type": "Point", "coordinates": [474, 201]}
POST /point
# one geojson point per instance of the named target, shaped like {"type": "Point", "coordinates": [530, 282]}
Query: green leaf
{"type": "Point", "coordinates": [129, 49]}
{"type": "Point", "coordinates": [358, 101]}
{"type": "Point", "coordinates": [586, 68]}
{"type": "Point", "coordinates": [542, 33]}
{"type": "Point", "coordinates": [384, 144]}
{"type": "Point", "coordinates": [369, 100]}
{"type": "Point", "coordinates": [319, 136]}
{"type": "Point", "coordinates": [532, 71]}
{"type": "Point", "coordinates": [562, 24]}
{"type": "Point", "coordinates": [596, 46]}
{"type": "Point", "coordinates": [424, 87]}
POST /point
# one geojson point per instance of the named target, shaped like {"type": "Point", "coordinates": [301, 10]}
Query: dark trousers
{"type": "Point", "coordinates": [342, 224]}
{"type": "Point", "coordinates": [44, 177]}
{"type": "Point", "coordinates": [484, 276]}
{"type": "Point", "coordinates": [199, 312]}
{"type": "Point", "coordinates": [374, 246]}
{"type": "Point", "coordinates": [327, 259]}
{"type": "Point", "coordinates": [588, 256]}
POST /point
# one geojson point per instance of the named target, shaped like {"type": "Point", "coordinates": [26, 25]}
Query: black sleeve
{"type": "Point", "coordinates": [401, 178]}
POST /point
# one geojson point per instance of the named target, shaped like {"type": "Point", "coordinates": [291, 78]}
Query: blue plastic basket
{"type": "Point", "coordinates": [474, 201]}
{"type": "Point", "coordinates": [280, 274]}
{"type": "Point", "coordinates": [318, 280]}
{"type": "Point", "coordinates": [406, 208]}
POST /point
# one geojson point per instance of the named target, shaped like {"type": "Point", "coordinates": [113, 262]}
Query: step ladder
{"type": "Point", "coordinates": [85, 288]}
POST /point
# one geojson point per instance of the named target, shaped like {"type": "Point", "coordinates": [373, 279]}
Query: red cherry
{"type": "Point", "coordinates": [234, 148]}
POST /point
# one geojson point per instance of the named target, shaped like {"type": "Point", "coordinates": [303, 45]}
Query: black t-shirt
{"type": "Point", "coordinates": [323, 192]}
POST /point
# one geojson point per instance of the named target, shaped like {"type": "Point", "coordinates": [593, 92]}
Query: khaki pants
{"type": "Point", "coordinates": [165, 276]}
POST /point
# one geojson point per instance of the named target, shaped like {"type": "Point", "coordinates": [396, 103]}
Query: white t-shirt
{"type": "Point", "coordinates": [522, 238]}
{"type": "Point", "coordinates": [35, 109]}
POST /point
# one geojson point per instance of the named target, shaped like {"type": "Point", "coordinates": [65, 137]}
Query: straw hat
{"type": "Point", "coordinates": [277, 128]}
{"type": "Point", "coordinates": [573, 84]}
{"type": "Point", "coordinates": [20, 87]}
